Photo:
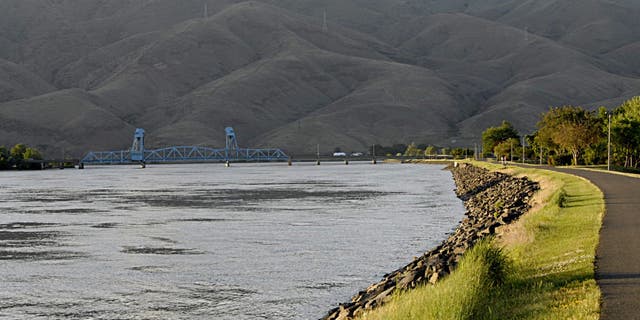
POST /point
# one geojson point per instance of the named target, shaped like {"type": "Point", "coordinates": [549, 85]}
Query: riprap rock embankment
{"type": "Point", "coordinates": [491, 199]}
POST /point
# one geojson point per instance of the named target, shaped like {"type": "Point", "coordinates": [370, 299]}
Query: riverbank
{"type": "Point", "coordinates": [551, 253]}
{"type": "Point", "coordinates": [492, 200]}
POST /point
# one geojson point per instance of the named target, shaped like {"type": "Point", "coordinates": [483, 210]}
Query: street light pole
{"type": "Point", "coordinates": [523, 149]}
{"type": "Point", "coordinates": [609, 144]}
{"type": "Point", "coordinates": [511, 152]}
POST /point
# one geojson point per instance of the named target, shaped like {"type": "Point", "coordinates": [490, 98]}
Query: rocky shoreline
{"type": "Point", "coordinates": [491, 199]}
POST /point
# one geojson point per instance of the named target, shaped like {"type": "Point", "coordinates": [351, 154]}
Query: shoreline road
{"type": "Point", "coordinates": [618, 253]}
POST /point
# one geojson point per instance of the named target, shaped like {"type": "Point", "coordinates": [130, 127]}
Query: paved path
{"type": "Point", "coordinates": [618, 254]}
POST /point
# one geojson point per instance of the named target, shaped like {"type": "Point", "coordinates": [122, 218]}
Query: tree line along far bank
{"type": "Point", "coordinates": [567, 135]}
{"type": "Point", "coordinates": [573, 135]}
{"type": "Point", "coordinates": [19, 157]}
{"type": "Point", "coordinates": [414, 150]}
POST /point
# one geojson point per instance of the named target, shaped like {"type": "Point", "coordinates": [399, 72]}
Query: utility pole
{"type": "Point", "coordinates": [609, 143]}
{"type": "Point", "coordinates": [324, 22]}
{"type": "Point", "coordinates": [523, 148]}
{"type": "Point", "coordinates": [206, 11]}
{"type": "Point", "coordinates": [373, 154]}
{"type": "Point", "coordinates": [511, 154]}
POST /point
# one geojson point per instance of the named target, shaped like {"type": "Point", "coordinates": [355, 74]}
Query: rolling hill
{"type": "Point", "coordinates": [76, 76]}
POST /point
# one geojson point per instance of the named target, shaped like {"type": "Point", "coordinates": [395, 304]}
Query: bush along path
{"type": "Point", "coordinates": [492, 199]}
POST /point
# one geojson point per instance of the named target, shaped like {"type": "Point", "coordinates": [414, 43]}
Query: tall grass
{"type": "Point", "coordinates": [540, 267]}
{"type": "Point", "coordinates": [467, 294]}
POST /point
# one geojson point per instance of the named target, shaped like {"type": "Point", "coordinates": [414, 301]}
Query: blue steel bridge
{"type": "Point", "coordinates": [138, 154]}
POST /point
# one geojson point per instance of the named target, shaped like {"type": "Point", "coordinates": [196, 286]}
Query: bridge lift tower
{"type": "Point", "coordinates": [231, 143]}
{"type": "Point", "coordinates": [181, 154]}
{"type": "Point", "coordinates": [137, 148]}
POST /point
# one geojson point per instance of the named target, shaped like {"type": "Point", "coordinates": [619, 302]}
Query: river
{"type": "Point", "coordinates": [201, 241]}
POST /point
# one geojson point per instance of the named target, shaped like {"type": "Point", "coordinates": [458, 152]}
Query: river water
{"type": "Point", "coordinates": [201, 241]}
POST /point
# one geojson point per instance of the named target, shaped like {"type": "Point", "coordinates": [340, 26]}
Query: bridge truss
{"type": "Point", "coordinates": [178, 154]}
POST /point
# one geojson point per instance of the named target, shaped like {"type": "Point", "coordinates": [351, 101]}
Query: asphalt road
{"type": "Point", "coordinates": [618, 253]}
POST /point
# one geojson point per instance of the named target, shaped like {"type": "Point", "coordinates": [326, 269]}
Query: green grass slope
{"type": "Point", "coordinates": [540, 267]}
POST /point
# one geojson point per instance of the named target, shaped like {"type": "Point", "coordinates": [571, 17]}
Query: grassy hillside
{"type": "Point", "coordinates": [383, 71]}
{"type": "Point", "coordinates": [545, 259]}
{"type": "Point", "coordinates": [16, 82]}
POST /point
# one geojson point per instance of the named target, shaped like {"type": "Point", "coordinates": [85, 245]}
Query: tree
{"type": "Point", "coordinates": [625, 133]}
{"type": "Point", "coordinates": [411, 150]}
{"type": "Point", "coordinates": [504, 148]}
{"type": "Point", "coordinates": [595, 153]}
{"type": "Point", "coordinates": [17, 155]}
{"type": "Point", "coordinates": [4, 158]}
{"type": "Point", "coordinates": [570, 128]}
{"type": "Point", "coordinates": [31, 153]}
{"type": "Point", "coordinates": [544, 144]}
{"type": "Point", "coordinates": [496, 135]}
{"type": "Point", "coordinates": [532, 149]}
{"type": "Point", "coordinates": [461, 153]}
{"type": "Point", "coordinates": [17, 152]}
{"type": "Point", "coordinates": [430, 151]}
